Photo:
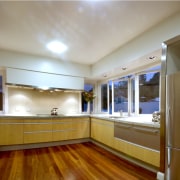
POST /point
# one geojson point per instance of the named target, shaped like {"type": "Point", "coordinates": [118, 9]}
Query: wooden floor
{"type": "Point", "coordinates": [84, 161]}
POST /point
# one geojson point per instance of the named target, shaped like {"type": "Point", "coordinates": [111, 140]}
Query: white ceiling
{"type": "Point", "coordinates": [90, 29]}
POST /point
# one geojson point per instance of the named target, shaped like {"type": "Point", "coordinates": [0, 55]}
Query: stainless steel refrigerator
{"type": "Point", "coordinates": [173, 126]}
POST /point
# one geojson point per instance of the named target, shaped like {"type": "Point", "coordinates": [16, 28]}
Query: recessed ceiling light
{"type": "Point", "coordinates": [124, 68]}
{"type": "Point", "coordinates": [56, 47]}
{"type": "Point", "coordinates": [152, 57]}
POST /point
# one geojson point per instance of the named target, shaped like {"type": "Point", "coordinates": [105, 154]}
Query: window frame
{"type": "Point", "coordinates": [2, 73]}
{"type": "Point", "coordinates": [134, 76]}
{"type": "Point", "coordinates": [92, 104]}
{"type": "Point", "coordinates": [137, 98]}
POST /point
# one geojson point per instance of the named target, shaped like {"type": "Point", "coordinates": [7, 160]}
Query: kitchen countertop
{"type": "Point", "coordinates": [41, 116]}
{"type": "Point", "coordinates": [136, 120]}
{"type": "Point", "coordinates": [139, 120]}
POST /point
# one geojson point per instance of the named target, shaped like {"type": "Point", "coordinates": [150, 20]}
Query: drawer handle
{"type": "Point", "coordinates": [146, 130]}
{"type": "Point", "coordinates": [123, 126]}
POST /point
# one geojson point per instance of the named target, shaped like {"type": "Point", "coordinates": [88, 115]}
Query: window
{"type": "Point", "coordinates": [104, 98]}
{"type": "Point", "coordinates": [121, 95]}
{"type": "Point", "coordinates": [88, 88]}
{"type": "Point", "coordinates": [149, 92]}
{"type": "Point", "coordinates": [133, 94]}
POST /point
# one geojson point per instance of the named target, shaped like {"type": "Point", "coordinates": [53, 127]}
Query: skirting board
{"type": "Point", "coordinates": [41, 145]}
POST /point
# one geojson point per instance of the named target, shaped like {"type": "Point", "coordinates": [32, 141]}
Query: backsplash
{"type": "Point", "coordinates": [31, 102]}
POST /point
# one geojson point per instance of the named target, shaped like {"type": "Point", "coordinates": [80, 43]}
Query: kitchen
{"type": "Point", "coordinates": [25, 72]}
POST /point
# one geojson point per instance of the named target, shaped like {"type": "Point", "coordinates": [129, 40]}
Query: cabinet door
{"type": "Point", "coordinates": [37, 130]}
{"type": "Point", "coordinates": [11, 131]}
{"type": "Point", "coordinates": [70, 128]}
{"type": "Point", "coordinates": [102, 131]}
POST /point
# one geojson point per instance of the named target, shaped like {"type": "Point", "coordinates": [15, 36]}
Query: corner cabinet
{"type": "Point", "coordinates": [11, 131]}
{"type": "Point", "coordinates": [103, 131]}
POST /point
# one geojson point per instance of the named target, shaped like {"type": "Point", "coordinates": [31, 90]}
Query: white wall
{"type": "Point", "coordinates": [146, 43]}
{"type": "Point", "coordinates": [42, 64]}
{"type": "Point", "coordinates": [31, 102]}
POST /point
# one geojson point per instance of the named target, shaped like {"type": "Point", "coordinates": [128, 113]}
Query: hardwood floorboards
{"type": "Point", "coordinates": [84, 161]}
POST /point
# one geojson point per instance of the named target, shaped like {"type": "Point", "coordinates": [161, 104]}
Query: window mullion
{"type": "Point", "coordinates": [129, 97]}
{"type": "Point", "coordinates": [136, 95]}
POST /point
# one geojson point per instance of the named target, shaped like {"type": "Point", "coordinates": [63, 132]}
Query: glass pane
{"type": "Point", "coordinates": [88, 88]}
{"type": "Point", "coordinates": [132, 95]}
{"type": "Point", "coordinates": [149, 93]}
{"type": "Point", "coordinates": [104, 98]}
{"type": "Point", "coordinates": [110, 97]}
{"type": "Point", "coordinates": [121, 96]}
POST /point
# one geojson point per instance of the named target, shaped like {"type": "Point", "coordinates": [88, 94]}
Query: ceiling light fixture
{"type": "Point", "coordinates": [152, 57]}
{"type": "Point", "coordinates": [124, 68]}
{"type": "Point", "coordinates": [57, 47]}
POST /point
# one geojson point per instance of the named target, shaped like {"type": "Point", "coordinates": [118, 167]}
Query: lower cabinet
{"type": "Point", "coordinates": [103, 131]}
{"type": "Point", "coordinates": [37, 130]}
{"type": "Point", "coordinates": [11, 131]}
{"type": "Point", "coordinates": [70, 128]}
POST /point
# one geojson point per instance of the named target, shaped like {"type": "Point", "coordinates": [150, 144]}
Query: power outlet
{"type": "Point", "coordinates": [160, 176]}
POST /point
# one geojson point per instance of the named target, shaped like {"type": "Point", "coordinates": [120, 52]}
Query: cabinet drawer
{"type": "Point", "coordinates": [36, 131]}
{"type": "Point", "coordinates": [141, 135]}
{"type": "Point", "coordinates": [36, 137]}
{"type": "Point", "coordinates": [11, 132]}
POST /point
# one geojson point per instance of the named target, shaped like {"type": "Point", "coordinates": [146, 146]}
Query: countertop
{"type": "Point", "coordinates": [138, 120]}
{"type": "Point", "coordinates": [41, 116]}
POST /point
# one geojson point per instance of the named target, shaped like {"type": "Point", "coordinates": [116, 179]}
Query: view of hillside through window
{"type": "Point", "coordinates": [121, 96]}
{"type": "Point", "coordinates": [104, 98]}
{"type": "Point", "coordinates": [133, 93]}
{"type": "Point", "coordinates": [149, 92]}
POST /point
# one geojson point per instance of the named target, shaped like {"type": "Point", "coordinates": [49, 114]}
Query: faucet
{"type": "Point", "coordinates": [121, 113]}
{"type": "Point", "coordinates": [54, 111]}
{"type": "Point", "coordinates": [156, 116]}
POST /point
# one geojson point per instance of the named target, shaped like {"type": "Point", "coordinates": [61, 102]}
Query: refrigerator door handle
{"type": "Point", "coordinates": [169, 143]}
{"type": "Point", "coordinates": [169, 157]}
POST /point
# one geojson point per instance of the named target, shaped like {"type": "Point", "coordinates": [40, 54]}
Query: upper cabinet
{"type": "Point", "coordinates": [39, 79]}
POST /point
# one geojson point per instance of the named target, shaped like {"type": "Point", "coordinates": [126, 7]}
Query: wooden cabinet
{"type": "Point", "coordinates": [11, 131]}
{"type": "Point", "coordinates": [37, 130]}
{"type": "Point", "coordinates": [103, 131]}
{"type": "Point", "coordinates": [138, 134]}
{"type": "Point", "coordinates": [70, 128]}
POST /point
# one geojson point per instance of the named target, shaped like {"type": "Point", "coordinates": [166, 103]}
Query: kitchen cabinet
{"type": "Point", "coordinates": [11, 131]}
{"type": "Point", "coordinates": [102, 131]}
{"type": "Point", "coordinates": [37, 130]}
{"type": "Point", "coordinates": [70, 128]}
{"type": "Point", "coordinates": [139, 141]}
{"type": "Point", "coordinates": [138, 134]}
{"type": "Point", "coordinates": [28, 130]}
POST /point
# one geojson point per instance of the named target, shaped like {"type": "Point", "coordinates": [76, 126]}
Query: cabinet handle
{"type": "Point", "coordinates": [146, 130]}
{"type": "Point", "coordinates": [34, 132]}
{"type": "Point", "coordinates": [64, 130]}
{"type": "Point", "coordinates": [123, 126]}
